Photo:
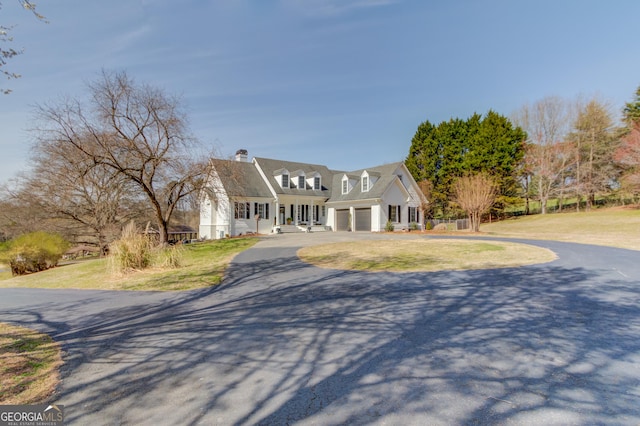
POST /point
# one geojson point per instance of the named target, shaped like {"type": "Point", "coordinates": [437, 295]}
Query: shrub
{"type": "Point", "coordinates": [135, 251]}
{"type": "Point", "coordinates": [441, 227]}
{"type": "Point", "coordinates": [413, 226]}
{"type": "Point", "coordinates": [389, 226]}
{"type": "Point", "coordinates": [34, 252]}
{"type": "Point", "coordinates": [131, 252]}
{"type": "Point", "coordinates": [428, 226]}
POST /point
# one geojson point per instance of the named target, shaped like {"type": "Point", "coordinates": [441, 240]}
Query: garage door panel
{"type": "Point", "coordinates": [363, 219]}
{"type": "Point", "coordinates": [342, 220]}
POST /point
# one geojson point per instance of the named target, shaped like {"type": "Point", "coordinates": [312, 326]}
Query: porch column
{"type": "Point", "coordinates": [296, 213]}
{"type": "Point", "coordinates": [352, 216]}
{"type": "Point", "coordinates": [311, 215]}
{"type": "Point", "coordinates": [277, 213]}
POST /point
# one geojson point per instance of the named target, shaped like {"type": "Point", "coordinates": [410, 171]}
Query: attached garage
{"type": "Point", "coordinates": [342, 220]}
{"type": "Point", "coordinates": [363, 219]}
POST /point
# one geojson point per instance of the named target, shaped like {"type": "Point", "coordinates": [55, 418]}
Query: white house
{"type": "Point", "coordinates": [260, 195]}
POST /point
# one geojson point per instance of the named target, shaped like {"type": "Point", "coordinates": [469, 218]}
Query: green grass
{"type": "Point", "coordinates": [616, 227]}
{"type": "Point", "coordinates": [203, 265]}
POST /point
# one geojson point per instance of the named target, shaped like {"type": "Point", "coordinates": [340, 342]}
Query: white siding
{"type": "Point", "coordinates": [377, 225]}
{"type": "Point", "coordinates": [395, 197]}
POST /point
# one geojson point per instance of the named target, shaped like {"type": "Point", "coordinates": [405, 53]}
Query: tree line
{"type": "Point", "coordinates": [125, 153]}
{"type": "Point", "coordinates": [551, 149]}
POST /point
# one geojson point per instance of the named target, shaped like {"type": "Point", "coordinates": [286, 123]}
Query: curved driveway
{"type": "Point", "coordinates": [281, 342]}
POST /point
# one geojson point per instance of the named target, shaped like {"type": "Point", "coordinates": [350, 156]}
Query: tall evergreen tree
{"type": "Point", "coordinates": [441, 154]}
{"type": "Point", "coordinates": [631, 111]}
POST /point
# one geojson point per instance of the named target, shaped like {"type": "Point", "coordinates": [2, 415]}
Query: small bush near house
{"type": "Point", "coordinates": [413, 226]}
{"type": "Point", "coordinates": [34, 252]}
{"type": "Point", "coordinates": [441, 227]}
{"type": "Point", "coordinates": [428, 226]}
{"type": "Point", "coordinates": [389, 226]}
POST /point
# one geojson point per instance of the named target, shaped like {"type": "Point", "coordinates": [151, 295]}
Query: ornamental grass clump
{"type": "Point", "coordinates": [136, 250]}
{"type": "Point", "coordinates": [132, 252]}
{"type": "Point", "coordinates": [170, 257]}
{"type": "Point", "coordinates": [34, 252]}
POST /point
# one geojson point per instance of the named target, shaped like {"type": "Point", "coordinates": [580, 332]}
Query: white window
{"type": "Point", "coordinates": [394, 214]}
{"type": "Point", "coordinates": [365, 183]}
{"type": "Point", "coordinates": [301, 182]}
{"type": "Point", "coordinates": [262, 210]}
{"type": "Point", "coordinates": [324, 211]}
{"type": "Point", "coordinates": [285, 181]}
{"type": "Point", "coordinates": [316, 183]}
{"type": "Point", "coordinates": [413, 215]}
{"type": "Point", "coordinates": [242, 210]}
{"type": "Point", "coordinates": [345, 186]}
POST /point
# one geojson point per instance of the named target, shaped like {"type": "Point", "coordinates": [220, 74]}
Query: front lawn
{"type": "Point", "coordinates": [423, 255]}
{"type": "Point", "coordinates": [203, 265]}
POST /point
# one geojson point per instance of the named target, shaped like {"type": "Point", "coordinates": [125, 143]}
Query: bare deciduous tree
{"type": "Point", "coordinates": [135, 131]}
{"type": "Point", "coordinates": [546, 160]}
{"type": "Point", "coordinates": [92, 201]}
{"type": "Point", "coordinates": [7, 52]}
{"type": "Point", "coordinates": [628, 156]}
{"type": "Point", "coordinates": [593, 135]}
{"type": "Point", "coordinates": [426, 187]}
{"type": "Point", "coordinates": [475, 194]}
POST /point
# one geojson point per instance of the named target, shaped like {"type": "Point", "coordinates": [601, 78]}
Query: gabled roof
{"type": "Point", "coordinates": [269, 167]}
{"type": "Point", "coordinates": [386, 175]}
{"type": "Point", "coordinates": [241, 179]}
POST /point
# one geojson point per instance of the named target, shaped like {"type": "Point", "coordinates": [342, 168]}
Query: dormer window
{"type": "Point", "coordinates": [285, 180]}
{"type": "Point", "coordinates": [345, 185]}
{"type": "Point", "coordinates": [301, 182]}
{"type": "Point", "coordinates": [316, 183]}
{"type": "Point", "coordinates": [365, 183]}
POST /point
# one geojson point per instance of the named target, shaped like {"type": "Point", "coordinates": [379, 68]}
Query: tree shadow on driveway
{"type": "Point", "coordinates": [281, 342]}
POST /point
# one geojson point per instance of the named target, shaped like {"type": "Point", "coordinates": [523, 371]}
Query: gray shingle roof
{"type": "Point", "coordinates": [273, 167]}
{"type": "Point", "coordinates": [241, 179]}
{"type": "Point", "coordinates": [385, 174]}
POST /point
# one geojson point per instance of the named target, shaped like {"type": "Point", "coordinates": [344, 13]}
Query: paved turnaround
{"type": "Point", "coordinates": [281, 342]}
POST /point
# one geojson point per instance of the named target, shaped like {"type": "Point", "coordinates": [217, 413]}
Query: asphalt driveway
{"type": "Point", "coordinates": [281, 342]}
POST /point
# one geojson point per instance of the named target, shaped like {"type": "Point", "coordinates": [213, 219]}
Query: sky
{"type": "Point", "coordinates": [343, 83]}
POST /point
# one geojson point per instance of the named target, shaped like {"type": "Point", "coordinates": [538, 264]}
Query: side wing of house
{"type": "Point", "coordinates": [236, 201]}
{"type": "Point", "coordinates": [365, 200]}
{"type": "Point", "coordinates": [215, 212]}
{"type": "Point", "coordinates": [402, 201]}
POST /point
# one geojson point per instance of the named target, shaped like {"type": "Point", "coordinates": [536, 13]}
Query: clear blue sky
{"type": "Point", "coordinates": [338, 82]}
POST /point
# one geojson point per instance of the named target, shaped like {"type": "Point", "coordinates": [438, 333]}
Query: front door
{"type": "Point", "coordinates": [281, 216]}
